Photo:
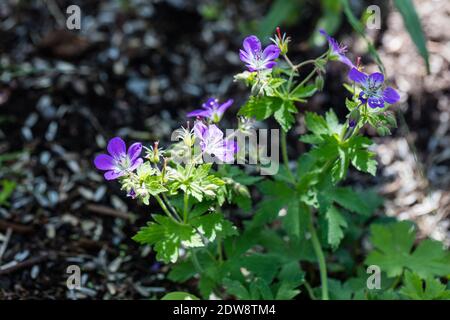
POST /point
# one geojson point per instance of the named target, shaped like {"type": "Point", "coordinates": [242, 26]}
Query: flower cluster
{"type": "Point", "coordinates": [142, 179]}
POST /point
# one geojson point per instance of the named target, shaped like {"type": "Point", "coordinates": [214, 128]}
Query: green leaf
{"type": "Point", "coordinates": [361, 158]}
{"type": "Point", "coordinates": [260, 108]}
{"type": "Point", "coordinates": [178, 295]}
{"type": "Point", "coordinates": [336, 224]}
{"type": "Point", "coordinates": [284, 115]}
{"type": "Point", "coordinates": [316, 124]}
{"type": "Point", "coordinates": [393, 252]}
{"type": "Point", "coordinates": [234, 287]}
{"type": "Point", "coordinates": [6, 191]}
{"type": "Point", "coordinates": [182, 271]}
{"type": "Point", "coordinates": [213, 224]}
{"type": "Point", "coordinates": [264, 266]}
{"type": "Point", "coordinates": [300, 93]}
{"type": "Point", "coordinates": [430, 289]}
{"type": "Point", "coordinates": [279, 11]}
{"type": "Point", "coordinates": [260, 289]}
{"type": "Point", "coordinates": [276, 195]}
{"type": "Point", "coordinates": [349, 199]}
{"type": "Point", "coordinates": [287, 291]}
{"type": "Point", "coordinates": [412, 24]}
{"type": "Point", "coordinates": [167, 237]}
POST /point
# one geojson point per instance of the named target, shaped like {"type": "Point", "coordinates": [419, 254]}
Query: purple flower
{"type": "Point", "coordinates": [255, 58]}
{"type": "Point", "coordinates": [132, 194]}
{"type": "Point", "coordinates": [212, 142]}
{"type": "Point", "coordinates": [212, 110]}
{"type": "Point", "coordinates": [372, 89]}
{"type": "Point", "coordinates": [119, 162]}
{"type": "Point", "coordinates": [337, 52]}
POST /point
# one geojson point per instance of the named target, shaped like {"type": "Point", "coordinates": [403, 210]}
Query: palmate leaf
{"type": "Point", "coordinates": [349, 199]}
{"type": "Point", "coordinates": [168, 237]}
{"type": "Point", "coordinates": [260, 108]}
{"type": "Point", "coordinates": [284, 115]}
{"type": "Point", "coordinates": [430, 289]}
{"type": "Point", "coordinates": [361, 158]}
{"type": "Point", "coordinates": [394, 251]}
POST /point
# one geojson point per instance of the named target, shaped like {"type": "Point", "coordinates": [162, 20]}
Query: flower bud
{"type": "Point", "coordinates": [390, 119]}
{"type": "Point", "coordinates": [281, 41]}
{"type": "Point", "coordinates": [319, 82]}
{"type": "Point", "coordinates": [154, 157]}
{"type": "Point", "coordinates": [354, 117]}
{"type": "Point", "coordinates": [383, 131]}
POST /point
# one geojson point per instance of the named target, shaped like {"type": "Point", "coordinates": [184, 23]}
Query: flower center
{"type": "Point", "coordinates": [123, 163]}
{"type": "Point", "coordinates": [372, 88]}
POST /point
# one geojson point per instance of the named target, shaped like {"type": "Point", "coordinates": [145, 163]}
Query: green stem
{"type": "Point", "coordinates": [310, 290]}
{"type": "Point", "coordinates": [195, 262]}
{"type": "Point", "coordinates": [166, 211]}
{"type": "Point", "coordinates": [289, 62]}
{"type": "Point", "coordinates": [170, 206]}
{"type": "Point", "coordinates": [284, 154]}
{"type": "Point", "coordinates": [308, 77]}
{"type": "Point", "coordinates": [185, 207]}
{"type": "Point", "coordinates": [320, 258]}
{"type": "Point", "coordinates": [219, 249]}
{"type": "Point", "coordinates": [304, 63]}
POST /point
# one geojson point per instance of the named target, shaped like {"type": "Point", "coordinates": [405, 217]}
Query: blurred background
{"type": "Point", "coordinates": [134, 69]}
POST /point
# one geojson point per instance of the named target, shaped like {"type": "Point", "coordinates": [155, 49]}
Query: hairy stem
{"type": "Point", "coordinates": [320, 258]}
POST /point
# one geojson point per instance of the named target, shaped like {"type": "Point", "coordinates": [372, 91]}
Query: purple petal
{"type": "Point", "coordinates": [224, 106]}
{"type": "Point", "coordinates": [346, 60]}
{"type": "Point", "coordinates": [111, 175]}
{"type": "Point", "coordinates": [269, 65]}
{"type": "Point", "coordinates": [357, 76]}
{"type": "Point", "coordinates": [376, 102]}
{"type": "Point", "coordinates": [213, 134]}
{"type": "Point", "coordinates": [376, 78]}
{"type": "Point", "coordinates": [200, 113]}
{"type": "Point", "coordinates": [199, 129]}
{"type": "Point", "coordinates": [134, 150]}
{"type": "Point", "coordinates": [116, 147]}
{"type": "Point", "coordinates": [362, 97]}
{"type": "Point", "coordinates": [104, 162]}
{"type": "Point", "coordinates": [227, 151]}
{"type": "Point", "coordinates": [271, 52]}
{"type": "Point", "coordinates": [390, 95]}
{"type": "Point", "coordinates": [251, 68]}
{"type": "Point", "coordinates": [244, 56]}
{"type": "Point", "coordinates": [135, 163]}
{"type": "Point", "coordinates": [251, 45]}
{"type": "Point", "coordinates": [211, 103]}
